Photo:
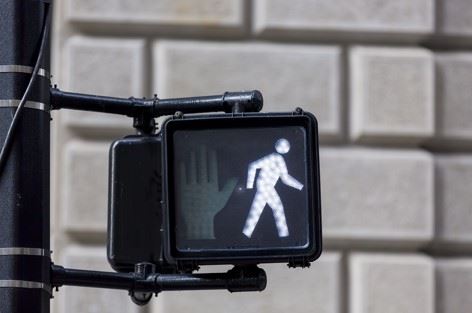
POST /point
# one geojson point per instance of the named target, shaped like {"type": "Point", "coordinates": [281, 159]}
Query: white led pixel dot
{"type": "Point", "coordinates": [272, 167]}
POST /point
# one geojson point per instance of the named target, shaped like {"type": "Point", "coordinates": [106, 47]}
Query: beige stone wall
{"type": "Point", "coordinates": [391, 85]}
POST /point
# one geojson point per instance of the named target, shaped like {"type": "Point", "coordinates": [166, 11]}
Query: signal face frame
{"type": "Point", "coordinates": [296, 254]}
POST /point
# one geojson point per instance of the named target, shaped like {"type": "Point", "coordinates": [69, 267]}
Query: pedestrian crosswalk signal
{"type": "Point", "coordinates": [241, 189]}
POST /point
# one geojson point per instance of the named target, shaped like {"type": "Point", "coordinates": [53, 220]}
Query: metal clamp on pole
{"type": "Point", "coordinates": [144, 282]}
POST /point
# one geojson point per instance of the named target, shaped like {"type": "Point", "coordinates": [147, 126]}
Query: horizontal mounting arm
{"type": "Point", "coordinates": [236, 279]}
{"type": "Point", "coordinates": [247, 101]}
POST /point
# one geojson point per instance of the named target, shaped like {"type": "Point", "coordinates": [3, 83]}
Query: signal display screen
{"type": "Point", "coordinates": [242, 188]}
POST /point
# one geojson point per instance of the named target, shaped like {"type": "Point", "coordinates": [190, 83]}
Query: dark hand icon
{"type": "Point", "coordinates": [199, 194]}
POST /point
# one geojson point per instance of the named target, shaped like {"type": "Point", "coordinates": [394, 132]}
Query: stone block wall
{"type": "Point", "coordinates": [391, 85]}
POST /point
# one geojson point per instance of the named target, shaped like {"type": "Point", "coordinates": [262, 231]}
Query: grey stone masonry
{"type": "Point", "coordinates": [454, 199]}
{"type": "Point", "coordinates": [453, 283]}
{"type": "Point", "coordinates": [289, 76]}
{"type": "Point", "coordinates": [163, 15]}
{"type": "Point", "coordinates": [344, 17]}
{"type": "Point", "coordinates": [373, 196]}
{"type": "Point", "coordinates": [103, 66]}
{"type": "Point", "coordinates": [85, 196]}
{"type": "Point", "coordinates": [390, 83]}
{"type": "Point", "coordinates": [392, 94]}
{"type": "Point", "coordinates": [455, 17]}
{"type": "Point", "coordinates": [391, 283]}
{"type": "Point", "coordinates": [288, 290]}
{"type": "Point", "coordinates": [454, 92]}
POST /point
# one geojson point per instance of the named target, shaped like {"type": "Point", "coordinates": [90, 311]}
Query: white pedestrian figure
{"type": "Point", "coordinates": [272, 168]}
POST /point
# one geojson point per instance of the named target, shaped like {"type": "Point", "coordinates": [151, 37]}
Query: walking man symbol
{"type": "Point", "coordinates": [272, 167]}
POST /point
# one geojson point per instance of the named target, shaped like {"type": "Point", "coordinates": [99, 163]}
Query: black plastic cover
{"type": "Point", "coordinates": [240, 189]}
{"type": "Point", "coordinates": [134, 209]}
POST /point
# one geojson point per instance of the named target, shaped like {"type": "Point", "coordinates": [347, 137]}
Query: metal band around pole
{"type": "Point", "coordinates": [23, 69]}
{"type": "Point", "coordinates": [12, 103]}
{"type": "Point", "coordinates": [24, 284]}
{"type": "Point", "coordinates": [24, 251]}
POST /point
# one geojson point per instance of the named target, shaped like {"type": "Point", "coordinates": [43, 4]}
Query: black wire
{"type": "Point", "coordinates": [9, 137]}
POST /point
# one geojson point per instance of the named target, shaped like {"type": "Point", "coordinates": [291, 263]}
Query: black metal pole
{"type": "Point", "coordinates": [24, 178]}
